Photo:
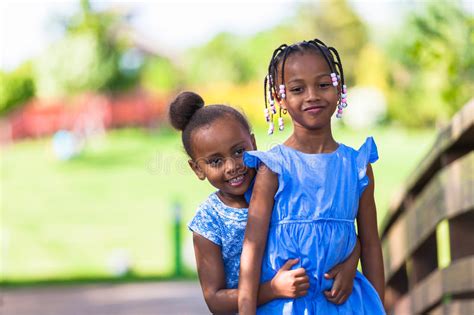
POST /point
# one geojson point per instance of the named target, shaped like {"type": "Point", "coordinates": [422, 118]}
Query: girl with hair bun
{"type": "Point", "coordinates": [215, 138]}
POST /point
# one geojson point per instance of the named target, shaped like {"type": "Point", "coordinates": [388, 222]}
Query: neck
{"type": "Point", "coordinates": [312, 141]}
{"type": "Point", "coordinates": [233, 200]}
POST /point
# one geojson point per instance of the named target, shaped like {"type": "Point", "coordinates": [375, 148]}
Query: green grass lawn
{"type": "Point", "coordinates": [67, 219]}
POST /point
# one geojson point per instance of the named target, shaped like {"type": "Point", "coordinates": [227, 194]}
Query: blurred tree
{"type": "Point", "coordinates": [16, 87]}
{"type": "Point", "coordinates": [160, 75]}
{"type": "Point", "coordinates": [432, 65]}
{"type": "Point", "coordinates": [220, 60]}
{"type": "Point", "coordinates": [337, 25]}
{"type": "Point", "coordinates": [233, 59]}
{"type": "Point", "coordinates": [91, 56]}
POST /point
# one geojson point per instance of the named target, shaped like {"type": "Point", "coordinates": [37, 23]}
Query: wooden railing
{"type": "Point", "coordinates": [428, 234]}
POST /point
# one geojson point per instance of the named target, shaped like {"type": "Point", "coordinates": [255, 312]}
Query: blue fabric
{"type": "Point", "coordinates": [313, 219]}
{"type": "Point", "coordinates": [224, 226]}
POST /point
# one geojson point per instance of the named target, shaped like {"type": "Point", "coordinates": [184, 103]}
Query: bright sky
{"type": "Point", "coordinates": [28, 27]}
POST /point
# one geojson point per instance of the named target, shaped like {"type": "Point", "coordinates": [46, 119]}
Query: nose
{"type": "Point", "coordinates": [312, 94]}
{"type": "Point", "coordinates": [231, 166]}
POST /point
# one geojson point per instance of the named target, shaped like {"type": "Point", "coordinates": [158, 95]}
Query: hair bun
{"type": "Point", "coordinates": [182, 109]}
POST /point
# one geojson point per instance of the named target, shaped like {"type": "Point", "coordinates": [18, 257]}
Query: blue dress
{"type": "Point", "coordinates": [313, 218]}
{"type": "Point", "coordinates": [225, 227]}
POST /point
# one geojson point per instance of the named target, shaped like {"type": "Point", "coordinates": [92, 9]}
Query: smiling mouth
{"type": "Point", "coordinates": [313, 108]}
{"type": "Point", "coordinates": [237, 181]}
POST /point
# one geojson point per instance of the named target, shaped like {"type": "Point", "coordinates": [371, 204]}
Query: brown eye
{"type": "Point", "coordinates": [239, 152]}
{"type": "Point", "coordinates": [296, 90]}
{"type": "Point", "coordinates": [325, 85]}
{"type": "Point", "coordinates": [215, 162]}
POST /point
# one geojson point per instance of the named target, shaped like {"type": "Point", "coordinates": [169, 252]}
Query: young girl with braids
{"type": "Point", "coordinates": [309, 191]}
{"type": "Point", "coordinates": [215, 138]}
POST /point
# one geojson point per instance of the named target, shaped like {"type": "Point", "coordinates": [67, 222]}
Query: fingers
{"type": "Point", "coordinates": [299, 272]}
{"type": "Point", "coordinates": [336, 287]}
{"type": "Point", "coordinates": [289, 263]}
{"type": "Point", "coordinates": [332, 273]}
{"type": "Point", "coordinates": [302, 289]}
{"type": "Point", "coordinates": [302, 280]}
{"type": "Point", "coordinates": [340, 297]}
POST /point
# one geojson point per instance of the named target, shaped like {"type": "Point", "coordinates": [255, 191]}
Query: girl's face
{"type": "Point", "coordinates": [218, 151]}
{"type": "Point", "coordinates": [311, 99]}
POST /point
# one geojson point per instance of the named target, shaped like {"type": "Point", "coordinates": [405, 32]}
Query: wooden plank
{"type": "Point", "coordinates": [456, 307]}
{"type": "Point", "coordinates": [428, 292]}
{"type": "Point", "coordinates": [449, 194]}
{"type": "Point", "coordinates": [458, 278]}
{"type": "Point", "coordinates": [461, 235]}
{"type": "Point", "coordinates": [459, 187]}
{"type": "Point", "coordinates": [461, 129]}
{"type": "Point", "coordinates": [459, 307]}
{"type": "Point", "coordinates": [455, 280]}
{"type": "Point", "coordinates": [395, 248]}
{"type": "Point", "coordinates": [403, 306]}
{"type": "Point", "coordinates": [423, 261]}
{"type": "Point", "coordinates": [427, 211]}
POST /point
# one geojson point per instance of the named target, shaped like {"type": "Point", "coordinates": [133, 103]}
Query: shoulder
{"type": "Point", "coordinates": [206, 221]}
{"type": "Point", "coordinates": [206, 212]}
{"type": "Point", "coordinates": [367, 152]}
{"type": "Point", "coordinates": [274, 159]}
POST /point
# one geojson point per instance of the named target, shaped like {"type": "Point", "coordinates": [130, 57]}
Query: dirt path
{"type": "Point", "coordinates": [167, 298]}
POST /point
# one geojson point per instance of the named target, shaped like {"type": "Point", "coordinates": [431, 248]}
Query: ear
{"type": "Point", "coordinates": [197, 170]}
{"type": "Point", "coordinates": [254, 144]}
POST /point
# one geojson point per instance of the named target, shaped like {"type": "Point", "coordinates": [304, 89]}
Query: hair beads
{"type": "Point", "coordinates": [272, 111]}
{"type": "Point", "coordinates": [280, 55]}
{"type": "Point", "coordinates": [282, 91]}
{"type": "Point", "coordinates": [267, 114]}
{"type": "Point", "coordinates": [342, 103]}
{"type": "Point", "coordinates": [272, 107]}
{"type": "Point", "coordinates": [271, 127]}
{"type": "Point", "coordinates": [281, 124]}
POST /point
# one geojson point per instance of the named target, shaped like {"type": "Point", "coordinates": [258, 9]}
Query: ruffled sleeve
{"type": "Point", "coordinates": [271, 159]}
{"type": "Point", "coordinates": [205, 223]}
{"type": "Point", "coordinates": [366, 154]}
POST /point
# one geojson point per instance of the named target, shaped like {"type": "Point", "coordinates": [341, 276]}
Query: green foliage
{"type": "Point", "coordinates": [232, 59]}
{"type": "Point", "coordinates": [16, 87]}
{"type": "Point", "coordinates": [88, 57]}
{"type": "Point", "coordinates": [433, 69]}
{"type": "Point", "coordinates": [74, 64]}
{"type": "Point", "coordinates": [336, 24]}
{"type": "Point", "coordinates": [220, 60]}
{"type": "Point", "coordinates": [160, 74]}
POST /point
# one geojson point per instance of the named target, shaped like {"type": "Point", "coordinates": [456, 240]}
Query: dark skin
{"type": "Point", "coordinates": [371, 249]}
{"type": "Point", "coordinates": [219, 159]}
{"type": "Point", "coordinates": [311, 101]}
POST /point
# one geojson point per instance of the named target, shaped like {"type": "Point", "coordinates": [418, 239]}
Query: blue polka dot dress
{"type": "Point", "coordinates": [313, 219]}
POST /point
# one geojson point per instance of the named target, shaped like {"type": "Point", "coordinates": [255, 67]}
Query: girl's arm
{"type": "Point", "coordinates": [371, 249]}
{"type": "Point", "coordinates": [259, 214]}
{"type": "Point", "coordinates": [212, 278]}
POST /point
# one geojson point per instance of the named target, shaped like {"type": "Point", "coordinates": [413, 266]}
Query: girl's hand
{"type": "Point", "coordinates": [290, 283]}
{"type": "Point", "coordinates": [343, 275]}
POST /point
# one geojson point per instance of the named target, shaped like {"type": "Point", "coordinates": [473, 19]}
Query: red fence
{"type": "Point", "coordinates": [40, 117]}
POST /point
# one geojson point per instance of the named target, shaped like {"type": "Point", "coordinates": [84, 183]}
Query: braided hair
{"type": "Point", "coordinates": [280, 56]}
